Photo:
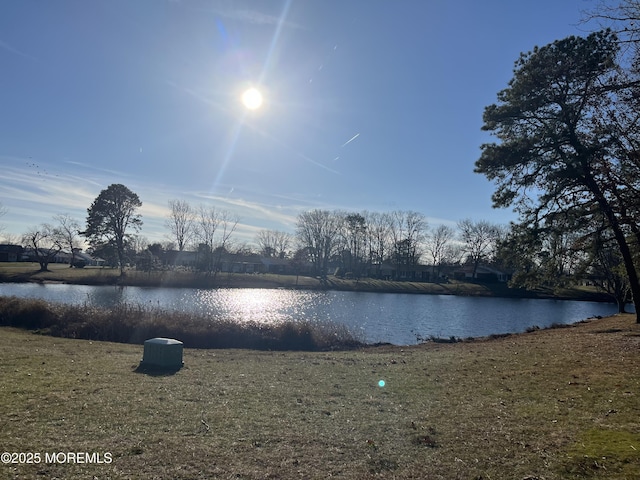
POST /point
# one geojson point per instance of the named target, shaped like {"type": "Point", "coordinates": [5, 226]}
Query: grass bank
{"type": "Point", "coordinates": [127, 323]}
{"type": "Point", "coordinates": [60, 273]}
{"type": "Point", "coordinates": [29, 272]}
{"type": "Point", "coordinates": [552, 404]}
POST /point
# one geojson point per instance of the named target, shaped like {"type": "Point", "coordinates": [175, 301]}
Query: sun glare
{"type": "Point", "coordinates": [252, 99]}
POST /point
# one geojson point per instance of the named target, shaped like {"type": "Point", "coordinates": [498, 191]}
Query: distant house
{"type": "Point", "coordinates": [276, 265]}
{"type": "Point", "coordinates": [29, 254]}
{"type": "Point", "coordinates": [88, 259]}
{"type": "Point", "coordinates": [182, 258]}
{"type": "Point", "coordinates": [10, 253]}
{"type": "Point", "coordinates": [413, 273]}
{"type": "Point", "coordinates": [401, 273]}
{"type": "Point", "coordinates": [383, 271]}
{"type": "Point", "coordinates": [239, 263]}
{"type": "Point", "coordinates": [483, 274]}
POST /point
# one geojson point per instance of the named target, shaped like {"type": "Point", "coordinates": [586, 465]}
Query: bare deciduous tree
{"type": "Point", "coordinates": [45, 242]}
{"type": "Point", "coordinates": [273, 243]}
{"type": "Point", "coordinates": [379, 238]}
{"type": "Point", "coordinates": [623, 18]}
{"type": "Point", "coordinates": [408, 231]}
{"type": "Point", "coordinates": [439, 247]}
{"type": "Point", "coordinates": [11, 238]}
{"type": "Point", "coordinates": [69, 230]}
{"type": "Point", "coordinates": [180, 222]}
{"type": "Point", "coordinates": [212, 230]}
{"type": "Point", "coordinates": [317, 231]}
{"type": "Point", "coordinates": [354, 232]}
{"type": "Point", "coordinates": [479, 239]}
{"type": "Point", "coordinates": [227, 225]}
{"type": "Point", "coordinates": [205, 227]}
{"type": "Point", "coordinates": [137, 244]}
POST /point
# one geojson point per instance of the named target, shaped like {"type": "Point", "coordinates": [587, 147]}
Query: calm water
{"type": "Point", "coordinates": [374, 317]}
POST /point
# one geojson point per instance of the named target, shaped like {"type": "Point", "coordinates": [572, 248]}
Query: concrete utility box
{"type": "Point", "coordinates": [162, 353]}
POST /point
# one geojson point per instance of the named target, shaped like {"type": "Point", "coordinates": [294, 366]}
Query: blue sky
{"type": "Point", "coordinates": [368, 104]}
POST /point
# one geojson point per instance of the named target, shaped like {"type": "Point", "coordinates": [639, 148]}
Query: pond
{"type": "Point", "coordinates": [401, 319]}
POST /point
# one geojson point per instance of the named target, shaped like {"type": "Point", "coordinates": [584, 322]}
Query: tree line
{"type": "Point", "coordinates": [357, 243]}
{"type": "Point", "coordinates": [351, 243]}
{"type": "Point", "coordinates": [361, 243]}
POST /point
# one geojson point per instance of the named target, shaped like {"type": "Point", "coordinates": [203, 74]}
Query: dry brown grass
{"type": "Point", "coordinates": [560, 403]}
{"type": "Point", "coordinates": [133, 323]}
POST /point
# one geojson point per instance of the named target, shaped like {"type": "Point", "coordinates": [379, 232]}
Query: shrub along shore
{"type": "Point", "coordinates": [126, 323]}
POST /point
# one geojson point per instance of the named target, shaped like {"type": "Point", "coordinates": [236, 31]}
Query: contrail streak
{"type": "Point", "coordinates": [350, 140]}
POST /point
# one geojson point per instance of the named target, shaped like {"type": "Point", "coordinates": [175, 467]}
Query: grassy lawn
{"type": "Point", "coordinates": [561, 403]}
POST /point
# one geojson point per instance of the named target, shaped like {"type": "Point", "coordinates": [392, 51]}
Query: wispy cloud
{"type": "Point", "coordinates": [151, 208]}
{"type": "Point", "coordinates": [251, 16]}
{"type": "Point", "coordinates": [255, 209]}
{"type": "Point", "coordinates": [97, 169]}
{"type": "Point", "coordinates": [32, 198]}
{"type": "Point", "coordinates": [8, 48]}
{"type": "Point", "coordinates": [34, 191]}
{"type": "Point", "coordinates": [37, 184]}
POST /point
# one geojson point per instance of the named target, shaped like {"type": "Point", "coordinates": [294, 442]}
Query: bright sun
{"type": "Point", "coordinates": [252, 99]}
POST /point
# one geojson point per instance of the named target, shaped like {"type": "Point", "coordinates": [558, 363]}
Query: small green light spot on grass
{"type": "Point", "coordinates": [381, 383]}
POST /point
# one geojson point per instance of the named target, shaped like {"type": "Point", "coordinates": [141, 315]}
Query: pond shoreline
{"type": "Point", "coordinates": [59, 274]}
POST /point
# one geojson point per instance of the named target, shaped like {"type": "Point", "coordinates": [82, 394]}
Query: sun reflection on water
{"type": "Point", "coordinates": [257, 305]}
